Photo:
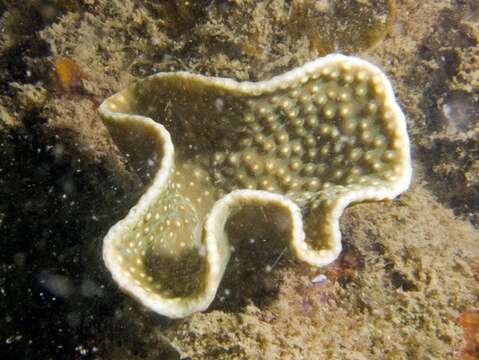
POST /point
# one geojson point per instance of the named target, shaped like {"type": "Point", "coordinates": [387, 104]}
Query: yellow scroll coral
{"type": "Point", "coordinates": [308, 142]}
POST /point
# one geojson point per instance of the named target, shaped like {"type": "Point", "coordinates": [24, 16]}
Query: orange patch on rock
{"type": "Point", "coordinates": [469, 322]}
{"type": "Point", "coordinates": [68, 74]}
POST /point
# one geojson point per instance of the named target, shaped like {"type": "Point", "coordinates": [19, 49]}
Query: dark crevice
{"type": "Point", "coordinates": [399, 280]}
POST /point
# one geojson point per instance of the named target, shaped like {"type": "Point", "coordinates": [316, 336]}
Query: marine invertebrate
{"type": "Point", "coordinates": [307, 143]}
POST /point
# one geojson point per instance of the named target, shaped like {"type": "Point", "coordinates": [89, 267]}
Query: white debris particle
{"type": "Point", "coordinates": [219, 104]}
{"type": "Point", "coordinates": [319, 279]}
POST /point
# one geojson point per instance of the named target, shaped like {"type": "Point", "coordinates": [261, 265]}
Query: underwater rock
{"type": "Point", "coordinates": [341, 25]}
{"type": "Point", "coordinates": [447, 138]}
{"type": "Point", "coordinates": [308, 142]}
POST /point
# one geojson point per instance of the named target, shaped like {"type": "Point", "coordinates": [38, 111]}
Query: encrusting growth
{"type": "Point", "coordinates": [308, 142]}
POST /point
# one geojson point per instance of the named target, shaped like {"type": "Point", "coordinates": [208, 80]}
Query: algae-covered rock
{"type": "Point", "coordinates": [345, 26]}
{"type": "Point", "coordinates": [448, 132]}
